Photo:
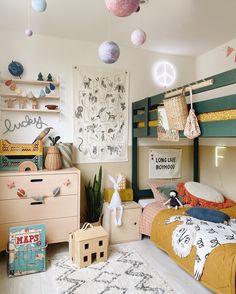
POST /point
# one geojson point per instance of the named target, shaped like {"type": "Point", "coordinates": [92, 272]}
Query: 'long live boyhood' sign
{"type": "Point", "coordinates": [165, 163]}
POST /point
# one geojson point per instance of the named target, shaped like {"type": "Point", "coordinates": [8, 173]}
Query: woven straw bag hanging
{"type": "Point", "coordinates": [192, 129]}
{"type": "Point", "coordinates": [176, 111]}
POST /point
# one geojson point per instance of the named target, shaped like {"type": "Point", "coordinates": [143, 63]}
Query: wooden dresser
{"type": "Point", "coordinates": [40, 204]}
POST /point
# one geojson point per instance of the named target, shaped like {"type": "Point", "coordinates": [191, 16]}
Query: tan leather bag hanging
{"type": "Point", "coordinates": [192, 129]}
{"type": "Point", "coordinates": [176, 111]}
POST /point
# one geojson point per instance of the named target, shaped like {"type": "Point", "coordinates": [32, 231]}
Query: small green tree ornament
{"type": "Point", "coordinates": [49, 78]}
{"type": "Point", "coordinates": [40, 77]}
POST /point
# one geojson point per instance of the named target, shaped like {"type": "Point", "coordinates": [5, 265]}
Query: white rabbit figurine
{"type": "Point", "coordinates": [116, 201]}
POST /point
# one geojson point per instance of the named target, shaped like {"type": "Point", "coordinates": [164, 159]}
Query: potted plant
{"type": "Point", "coordinates": [94, 199]}
{"type": "Point", "coordinates": [53, 158]}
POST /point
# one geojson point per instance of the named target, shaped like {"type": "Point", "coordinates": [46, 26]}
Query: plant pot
{"type": "Point", "coordinates": [98, 223]}
{"type": "Point", "coordinates": [53, 159]}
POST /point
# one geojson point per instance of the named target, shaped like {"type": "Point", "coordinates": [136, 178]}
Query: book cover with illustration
{"type": "Point", "coordinates": [27, 250]}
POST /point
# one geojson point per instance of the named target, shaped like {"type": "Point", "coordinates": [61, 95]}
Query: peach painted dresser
{"type": "Point", "coordinates": [46, 197]}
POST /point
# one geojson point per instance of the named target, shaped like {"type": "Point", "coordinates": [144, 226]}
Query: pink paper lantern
{"type": "Point", "coordinates": [109, 52]}
{"type": "Point", "coordinates": [138, 37]}
{"type": "Point", "coordinates": [122, 7]}
{"type": "Point", "coordinates": [28, 32]}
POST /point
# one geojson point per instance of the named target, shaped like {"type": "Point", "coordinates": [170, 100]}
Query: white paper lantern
{"type": "Point", "coordinates": [122, 7]}
{"type": "Point", "coordinates": [28, 32]}
{"type": "Point", "coordinates": [109, 52]}
{"type": "Point", "coordinates": [39, 5]}
{"type": "Point", "coordinates": [138, 37]}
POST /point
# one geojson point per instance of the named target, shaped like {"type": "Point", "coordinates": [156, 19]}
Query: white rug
{"type": "Point", "coordinates": [124, 272]}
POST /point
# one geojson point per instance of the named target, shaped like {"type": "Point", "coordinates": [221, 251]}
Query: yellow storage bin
{"type": "Point", "coordinates": [7, 148]}
{"type": "Point", "coordinates": [125, 195]}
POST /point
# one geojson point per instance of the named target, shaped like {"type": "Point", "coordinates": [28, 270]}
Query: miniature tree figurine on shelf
{"type": "Point", "coordinates": [49, 78]}
{"type": "Point", "coordinates": [40, 77]}
{"type": "Point", "coordinates": [10, 102]}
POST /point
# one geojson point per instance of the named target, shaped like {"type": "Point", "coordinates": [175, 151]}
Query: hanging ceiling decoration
{"type": "Point", "coordinates": [122, 8]}
{"type": "Point", "coordinates": [39, 5]}
{"type": "Point", "coordinates": [138, 37]}
{"type": "Point", "coordinates": [28, 32]}
{"type": "Point", "coordinates": [109, 52]}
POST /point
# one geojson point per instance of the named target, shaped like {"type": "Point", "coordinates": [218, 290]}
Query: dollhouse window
{"type": "Point", "coordinates": [86, 246]}
{"type": "Point", "coordinates": [100, 243]}
{"type": "Point", "coordinates": [85, 258]}
{"type": "Point", "coordinates": [101, 254]}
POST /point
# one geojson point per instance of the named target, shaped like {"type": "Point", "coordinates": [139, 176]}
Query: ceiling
{"type": "Point", "coordinates": [184, 27]}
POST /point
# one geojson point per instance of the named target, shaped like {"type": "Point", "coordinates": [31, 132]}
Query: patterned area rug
{"type": "Point", "coordinates": [124, 272]}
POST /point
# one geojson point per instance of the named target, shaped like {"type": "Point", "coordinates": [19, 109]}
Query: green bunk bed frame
{"type": "Point", "coordinates": [142, 112]}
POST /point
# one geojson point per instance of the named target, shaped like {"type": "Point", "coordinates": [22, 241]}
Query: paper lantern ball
{"type": "Point", "coordinates": [39, 5]}
{"type": "Point", "coordinates": [28, 32]}
{"type": "Point", "coordinates": [109, 52]}
{"type": "Point", "coordinates": [122, 7]}
{"type": "Point", "coordinates": [138, 37]}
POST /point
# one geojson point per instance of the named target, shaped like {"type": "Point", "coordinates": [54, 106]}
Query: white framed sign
{"type": "Point", "coordinates": [165, 163]}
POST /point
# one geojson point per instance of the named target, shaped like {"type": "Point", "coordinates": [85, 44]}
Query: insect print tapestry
{"type": "Point", "coordinates": [100, 115]}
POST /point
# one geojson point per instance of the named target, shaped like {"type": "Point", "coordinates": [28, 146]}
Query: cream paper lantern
{"type": "Point", "coordinates": [138, 37]}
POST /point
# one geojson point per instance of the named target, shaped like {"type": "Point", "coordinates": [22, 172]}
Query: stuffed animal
{"type": "Point", "coordinates": [116, 201]}
{"type": "Point", "coordinates": [173, 201]}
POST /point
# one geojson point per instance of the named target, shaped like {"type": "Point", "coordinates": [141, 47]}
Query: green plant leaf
{"type": "Point", "coordinates": [56, 139]}
{"type": "Point", "coordinates": [94, 198]}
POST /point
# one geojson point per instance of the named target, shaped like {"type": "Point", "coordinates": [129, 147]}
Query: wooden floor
{"type": "Point", "coordinates": [43, 283]}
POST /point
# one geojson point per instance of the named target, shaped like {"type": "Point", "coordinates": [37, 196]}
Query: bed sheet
{"type": "Point", "coordinates": [220, 266]}
{"type": "Point", "coordinates": [148, 215]}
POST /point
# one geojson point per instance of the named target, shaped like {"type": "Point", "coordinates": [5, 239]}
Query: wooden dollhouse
{"type": "Point", "coordinates": [88, 245]}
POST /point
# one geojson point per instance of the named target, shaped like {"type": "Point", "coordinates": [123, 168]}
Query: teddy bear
{"type": "Point", "coordinates": [173, 202]}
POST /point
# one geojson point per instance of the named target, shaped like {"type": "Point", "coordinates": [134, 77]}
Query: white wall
{"type": "Point", "coordinates": [58, 56]}
{"type": "Point", "coordinates": [215, 61]}
{"type": "Point", "coordinates": [212, 63]}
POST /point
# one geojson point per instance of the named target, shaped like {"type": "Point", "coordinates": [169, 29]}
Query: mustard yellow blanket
{"type": "Point", "coordinates": [220, 267]}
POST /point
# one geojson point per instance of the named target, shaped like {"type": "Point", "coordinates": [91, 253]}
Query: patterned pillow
{"type": "Point", "coordinates": [66, 151]}
{"type": "Point", "coordinates": [161, 192]}
{"type": "Point", "coordinates": [207, 214]}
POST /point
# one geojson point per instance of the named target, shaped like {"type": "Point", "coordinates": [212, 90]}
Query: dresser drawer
{"type": "Point", "coordinates": [57, 230]}
{"type": "Point", "coordinates": [41, 184]}
{"type": "Point", "coordinates": [20, 210]}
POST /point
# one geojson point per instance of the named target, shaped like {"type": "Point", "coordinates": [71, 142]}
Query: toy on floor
{"type": "Point", "coordinates": [173, 202]}
{"type": "Point", "coordinates": [116, 201]}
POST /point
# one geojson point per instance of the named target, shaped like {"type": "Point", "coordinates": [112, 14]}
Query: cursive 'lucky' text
{"type": "Point", "coordinates": [11, 127]}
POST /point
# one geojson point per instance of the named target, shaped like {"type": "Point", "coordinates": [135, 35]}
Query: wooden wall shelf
{"type": "Point", "coordinates": [26, 100]}
{"type": "Point", "coordinates": [19, 96]}
{"type": "Point", "coordinates": [32, 82]}
{"type": "Point", "coordinates": [31, 110]}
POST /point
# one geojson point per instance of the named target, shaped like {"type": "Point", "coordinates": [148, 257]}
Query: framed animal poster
{"type": "Point", "coordinates": [100, 115]}
{"type": "Point", "coordinates": [165, 163]}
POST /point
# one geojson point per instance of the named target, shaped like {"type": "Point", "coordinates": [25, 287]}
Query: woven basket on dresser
{"type": "Point", "coordinates": [53, 159]}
